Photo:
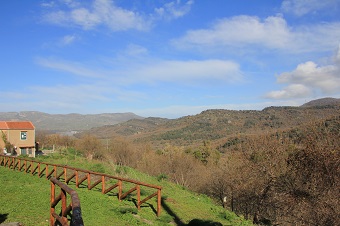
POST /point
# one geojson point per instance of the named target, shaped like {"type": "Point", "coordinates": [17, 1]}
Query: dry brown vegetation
{"type": "Point", "coordinates": [284, 176]}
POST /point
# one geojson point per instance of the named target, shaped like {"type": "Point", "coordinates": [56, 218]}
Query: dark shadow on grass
{"type": "Point", "coordinates": [199, 222]}
{"type": "Point", "coordinates": [82, 186]}
{"type": "Point", "coordinates": [144, 205]}
{"type": "Point", "coordinates": [3, 217]}
{"type": "Point", "coordinates": [177, 220]}
{"type": "Point", "coordinates": [193, 222]}
{"type": "Point", "coordinates": [112, 194]}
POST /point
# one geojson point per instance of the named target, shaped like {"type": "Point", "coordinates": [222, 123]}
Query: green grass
{"type": "Point", "coordinates": [25, 198]}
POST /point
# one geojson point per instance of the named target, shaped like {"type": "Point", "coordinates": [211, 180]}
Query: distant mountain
{"type": "Point", "coordinates": [218, 125]}
{"type": "Point", "coordinates": [208, 125]}
{"type": "Point", "coordinates": [67, 122]}
{"type": "Point", "coordinates": [322, 102]}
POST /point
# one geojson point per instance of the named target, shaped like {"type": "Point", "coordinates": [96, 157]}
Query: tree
{"type": "Point", "coordinates": [122, 153]}
{"type": "Point", "coordinates": [311, 185]}
{"type": "Point", "coordinates": [90, 146]}
{"type": "Point", "coordinates": [9, 147]}
{"type": "Point", "coordinates": [206, 154]}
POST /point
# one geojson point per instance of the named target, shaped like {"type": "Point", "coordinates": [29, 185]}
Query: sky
{"type": "Point", "coordinates": [166, 58]}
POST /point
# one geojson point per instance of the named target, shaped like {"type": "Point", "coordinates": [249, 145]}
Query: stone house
{"type": "Point", "coordinates": [20, 138]}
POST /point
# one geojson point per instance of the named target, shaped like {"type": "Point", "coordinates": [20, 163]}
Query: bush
{"type": "Point", "coordinates": [162, 176]}
{"type": "Point", "coordinates": [121, 170]}
{"type": "Point", "coordinates": [99, 168]}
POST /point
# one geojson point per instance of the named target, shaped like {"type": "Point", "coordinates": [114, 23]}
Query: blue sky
{"type": "Point", "coordinates": [167, 58]}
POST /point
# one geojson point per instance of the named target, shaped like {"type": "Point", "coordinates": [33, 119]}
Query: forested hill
{"type": "Point", "coordinates": [220, 124]}
{"type": "Point", "coordinates": [322, 102]}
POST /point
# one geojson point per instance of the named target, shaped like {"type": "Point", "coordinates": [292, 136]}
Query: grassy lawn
{"type": "Point", "coordinates": [25, 198]}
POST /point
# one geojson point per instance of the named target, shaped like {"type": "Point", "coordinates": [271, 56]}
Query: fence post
{"type": "Point", "coordinates": [120, 189]}
{"type": "Point", "coordinates": [55, 171]}
{"type": "Point", "coordinates": [88, 181]}
{"type": "Point", "coordinates": [159, 197]}
{"type": "Point", "coordinates": [52, 209]}
{"type": "Point", "coordinates": [13, 164]}
{"type": "Point", "coordinates": [32, 168]}
{"type": "Point", "coordinates": [103, 184]}
{"type": "Point", "coordinates": [19, 164]}
{"type": "Point", "coordinates": [138, 196]}
{"type": "Point", "coordinates": [65, 173]}
{"type": "Point", "coordinates": [77, 179]}
{"type": "Point", "coordinates": [63, 205]}
{"type": "Point", "coordinates": [46, 167]}
{"type": "Point", "coordinates": [38, 169]}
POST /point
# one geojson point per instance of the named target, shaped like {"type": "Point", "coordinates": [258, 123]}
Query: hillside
{"type": "Point", "coordinates": [30, 204]}
{"type": "Point", "coordinates": [67, 122]}
{"type": "Point", "coordinates": [322, 102]}
{"type": "Point", "coordinates": [217, 125]}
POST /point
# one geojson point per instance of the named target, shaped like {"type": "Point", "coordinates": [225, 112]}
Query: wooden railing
{"type": "Point", "coordinates": [74, 206]}
{"type": "Point", "coordinates": [68, 173]}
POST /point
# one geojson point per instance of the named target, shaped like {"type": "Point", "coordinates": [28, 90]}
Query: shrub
{"type": "Point", "coordinates": [98, 168]}
{"type": "Point", "coordinates": [162, 176]}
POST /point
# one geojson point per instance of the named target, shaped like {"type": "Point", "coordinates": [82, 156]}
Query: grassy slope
{"type": "Point", "coordinates": [32, 208]}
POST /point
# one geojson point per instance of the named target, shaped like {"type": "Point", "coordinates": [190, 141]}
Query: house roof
{"type": "Point", "coordinates": [16, 125]}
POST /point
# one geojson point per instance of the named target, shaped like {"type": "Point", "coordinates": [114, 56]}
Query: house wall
{"type": "Point", "coordinates": [23, 140]}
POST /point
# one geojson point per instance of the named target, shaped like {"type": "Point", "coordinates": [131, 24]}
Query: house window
{"type": "Point", "coordinates": [23, 135]}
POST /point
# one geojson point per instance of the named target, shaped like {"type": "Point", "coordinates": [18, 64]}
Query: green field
{"type": "Point", "coordinates": [25, 198]}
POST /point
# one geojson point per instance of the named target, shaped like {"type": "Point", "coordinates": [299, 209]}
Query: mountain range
{"type": "Point", "coordinates": [219, 124]}
{"type": "Point", "coordinates": [67, 122]}
{"type": "Point", "coordinates": [211, 125]}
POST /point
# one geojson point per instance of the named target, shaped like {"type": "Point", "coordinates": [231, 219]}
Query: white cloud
{"type": "Point", "coordinates": [107, 13]}
{"type": "Point", "coordinates": [72, 93]}
{"type": "Point", "coordinates": [135, 50]}
{"type": "Point", "coordinates": [303, 7]}
{"type": "Point", "coordinates": [68, 39]}
{"type": "Point", "coordinates": [68, 97]}
{"type": "Point", "coordinates": [309, 78]}
{"type": "Point", "coordinates": [50, 4]}
{"type": "Point", "coordinates": [174, 9]}
{"type": "Point", "coordinates": [241, 30]}
{"type": "Point", "coordinates": [184, 72]}
{"type": "Point", "coordinates": [57, 17]}
{"type": "Point", "coordinates": [289, 92]}
{"type": "Point", "coordinates": [9, 96]}
{"type": "Point", "coordinates": [84, 18]}
{"type": "Point", "coordinates": [57, 97]}
{"type": "Point", "coordinates": [153, 71]}
{"type": "Point", "coordinates": [102, 12]}
{"type": "Point", "coordinates": [270, 33]}
{"type": "Point", "coordinates": [70, 67]}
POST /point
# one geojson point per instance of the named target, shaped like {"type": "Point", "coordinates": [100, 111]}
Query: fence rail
{"type": "Point", "coordinates": [79, 176]}
{"type": "Point", "coordinates": [74, 206]}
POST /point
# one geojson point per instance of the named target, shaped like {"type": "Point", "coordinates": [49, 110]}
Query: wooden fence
{"type": "Point", "coordinates": [68, 173]}
{"type": "Point", "coordinates": [74, 206]}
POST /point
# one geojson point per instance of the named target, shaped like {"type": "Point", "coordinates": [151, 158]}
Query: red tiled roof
{"type": "Point", "coordinates": [16, 125]}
